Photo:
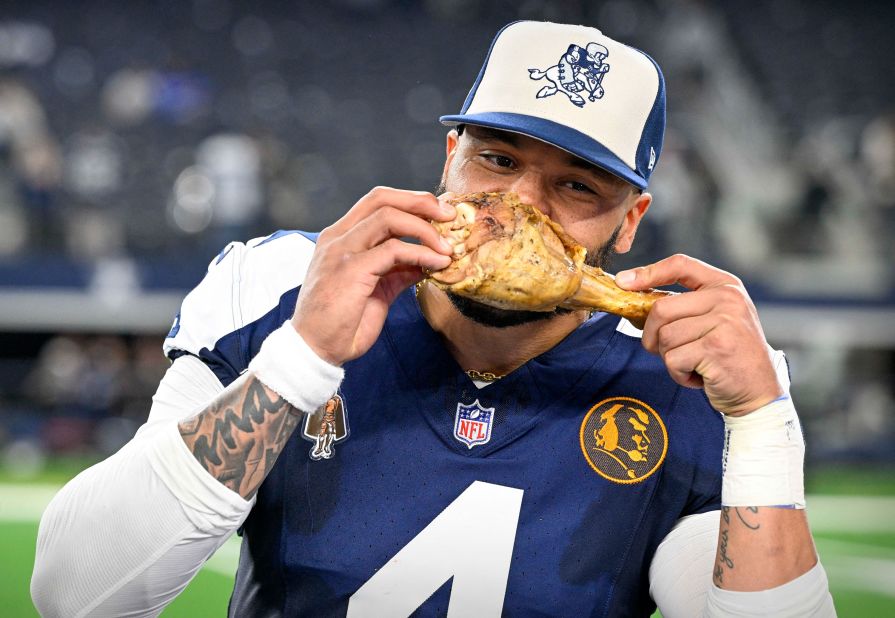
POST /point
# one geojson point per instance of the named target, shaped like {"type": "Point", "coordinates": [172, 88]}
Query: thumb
{"type": "Point", "coordinates": [627, 279]}
{"type": "Point", "coordinates": [685, 270]}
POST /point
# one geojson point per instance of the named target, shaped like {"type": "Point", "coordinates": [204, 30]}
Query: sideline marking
{"type": "Point", "coordinates": [853, 566]}
{"type": "Point", "coordinates": [851, 513]}
{"type": "Point", "coordinates": [25, 503]}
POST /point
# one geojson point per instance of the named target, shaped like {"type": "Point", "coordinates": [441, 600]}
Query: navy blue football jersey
{"type": "Point", "coordinates": [413, 491]}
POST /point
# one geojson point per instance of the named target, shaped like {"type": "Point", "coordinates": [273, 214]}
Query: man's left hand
{"type": "Point", "coordinates": [709, 337]}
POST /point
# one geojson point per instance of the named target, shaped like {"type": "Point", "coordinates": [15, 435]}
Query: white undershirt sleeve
{"type": "Point", "coordinates": [681, 571]}
{"type": "Point", "coordinates": [681, 580]}
{"type": "Point", "coordinates": [125, 536]}
{"type": "Point", "coordinates": [807, 596]}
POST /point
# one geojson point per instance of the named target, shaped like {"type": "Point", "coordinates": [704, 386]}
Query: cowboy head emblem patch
{"type": "Point", "coordinates": [623, 439]}
{"type": "Point", "coordinates": [578, 74]}
{"type": "Point", "coordinates": [326, 426]}
{"type": "Point", "coordinates": [472, 424]}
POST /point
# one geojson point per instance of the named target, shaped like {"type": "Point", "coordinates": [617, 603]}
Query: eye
{"type": "Point", "coordinates": [499, 160]}
{"type": "Point", "coordinates": [580, 187]}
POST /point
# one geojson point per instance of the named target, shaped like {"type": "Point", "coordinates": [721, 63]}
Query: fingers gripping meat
{"type": "Point", "coordinates": [510, 255]}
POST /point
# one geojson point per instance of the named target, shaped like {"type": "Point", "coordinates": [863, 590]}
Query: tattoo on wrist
{"type": "Point", "coordinates": [747, 517]}
{"type": "Point", "coordinates": [724, 560]}
{"type": "Point", "coordinates": [239, 437]}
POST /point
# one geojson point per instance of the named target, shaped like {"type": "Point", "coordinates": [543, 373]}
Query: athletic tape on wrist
{"type": "Point", "coordinates": [288, 366]}
{"type": "Point", "coordinates": [764, 455]}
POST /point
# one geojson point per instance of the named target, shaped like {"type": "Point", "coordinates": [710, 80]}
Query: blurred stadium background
{"type": "Point", "coordinates": [137, 138]}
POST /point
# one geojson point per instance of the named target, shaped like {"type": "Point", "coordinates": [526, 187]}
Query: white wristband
{"type": "Point", "coordinates": [764, 453]}
{"type": "Point", "coordinates": [288, 366]}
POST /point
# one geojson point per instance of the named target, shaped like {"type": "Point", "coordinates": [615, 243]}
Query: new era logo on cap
{"type": "Point", "coordinates": [577, 89]}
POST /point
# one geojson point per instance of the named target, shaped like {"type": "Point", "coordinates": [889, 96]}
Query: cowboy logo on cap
{"type": "Point", "coordinates": [578, 69]}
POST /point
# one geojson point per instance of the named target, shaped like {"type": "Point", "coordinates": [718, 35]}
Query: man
{"type": "Point", "coordinates": [478, 477]}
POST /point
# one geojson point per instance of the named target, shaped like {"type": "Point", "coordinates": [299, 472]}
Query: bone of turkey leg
{"type": "Point", "coordinates": [511, 255]}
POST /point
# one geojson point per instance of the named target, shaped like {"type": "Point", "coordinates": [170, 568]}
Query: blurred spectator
{"type": "Point", "coordinates": [91, 392]}
{"type": "Point", "coordinates": [94, 165]}
{"type": "Point", "coordinates": [55, 379]}
{"type": "Point", "coordinates": [13, 231]}
{"type": "Point", "coordinates": [877, 152]}
{"type": "Point", "coordinates": [129, 96]}
{"type": "Point", "coordinates": [30, 168]}
{"type": "Point", "coordinates": [232, 165]}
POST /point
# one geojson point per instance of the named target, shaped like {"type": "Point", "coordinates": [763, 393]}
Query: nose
{"type": "Point", "coordinates": [529, 186]}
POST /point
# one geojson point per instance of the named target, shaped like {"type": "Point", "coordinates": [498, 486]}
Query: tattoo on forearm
{"type": "Point", "coordinates": [724, 560]}
{"type": "Point", "coordinates": [748, 517]}
{"type": "Point", "coordinates": [239, 437]}
{"type": "Point", "coordinates": [751, 513]}
{"type": "Point", "coordinates": [718, 575]}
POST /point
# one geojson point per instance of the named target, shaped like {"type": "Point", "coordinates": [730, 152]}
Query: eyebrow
{"type": "Point", "coordinates": [489, 134]}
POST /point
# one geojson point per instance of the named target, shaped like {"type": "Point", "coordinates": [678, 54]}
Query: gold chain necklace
{"type": "Point", "coordinates": [483, 376]}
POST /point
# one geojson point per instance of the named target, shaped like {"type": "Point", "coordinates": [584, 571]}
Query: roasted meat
{"type": "Point", "coordinates": [511, 255]}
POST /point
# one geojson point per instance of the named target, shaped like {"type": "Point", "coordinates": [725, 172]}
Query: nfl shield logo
{"type": "Point", "coordinates": [472, 424]}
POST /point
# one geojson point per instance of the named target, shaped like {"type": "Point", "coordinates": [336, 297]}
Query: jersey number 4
{"type": "Point", "coordinates": [484, 517]}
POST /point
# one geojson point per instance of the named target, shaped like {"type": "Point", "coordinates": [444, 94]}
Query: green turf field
{"type": "Point", "coordinates": [852, 515]}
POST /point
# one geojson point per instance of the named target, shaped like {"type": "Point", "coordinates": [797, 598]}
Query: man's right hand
{"type": "Point", "coordinates": [361, 265]}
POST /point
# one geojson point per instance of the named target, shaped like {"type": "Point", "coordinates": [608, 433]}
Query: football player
{"type": "Point", "coordinates": [533, 517]}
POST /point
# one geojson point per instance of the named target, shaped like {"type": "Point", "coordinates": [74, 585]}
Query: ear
{"type": "Point", "coordinates": [452, 142]}
{"type": "Point", "coordinates": [632, 221]}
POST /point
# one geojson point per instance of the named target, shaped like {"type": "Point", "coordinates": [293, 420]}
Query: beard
{"type": "Point", "coordinates": [486, 315]}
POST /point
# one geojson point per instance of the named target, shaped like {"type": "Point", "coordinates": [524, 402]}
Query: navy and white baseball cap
{"type": "Point", "coordinates": [577, 89]}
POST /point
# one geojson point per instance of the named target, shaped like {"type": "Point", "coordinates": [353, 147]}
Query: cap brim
{"type": "Point", "coordinates": [555, 134]}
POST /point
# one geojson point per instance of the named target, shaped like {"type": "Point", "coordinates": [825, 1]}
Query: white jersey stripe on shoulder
{"type": "Point", "coordinates": [242, 284]}
{"type": "Point", "coordinates": [269, 269]}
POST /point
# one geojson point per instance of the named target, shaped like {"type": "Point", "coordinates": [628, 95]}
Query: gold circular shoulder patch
{"type": "Point", "coordinates": [623, 439]}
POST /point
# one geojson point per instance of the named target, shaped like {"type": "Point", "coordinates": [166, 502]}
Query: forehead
{"type": "Point", "coordinates": [519, 141]}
